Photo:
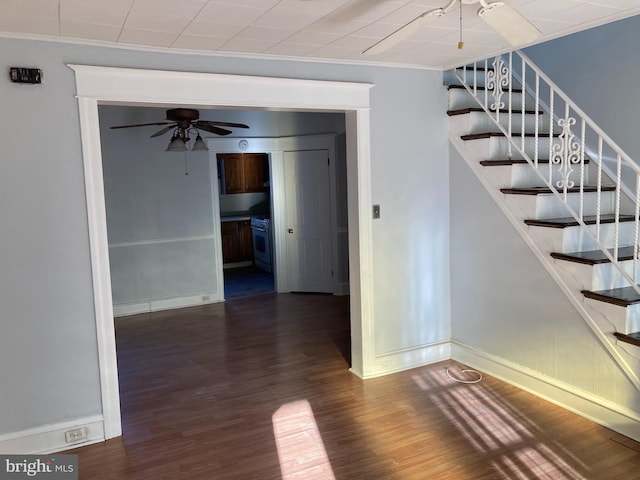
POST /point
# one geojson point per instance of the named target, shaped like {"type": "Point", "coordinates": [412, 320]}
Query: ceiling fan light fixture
{"type": "Point", "coordinates": [405, 31]}
{"type": "Point", "coordinates": [199, 145]}
{"type": "Point", "coordinates": [176, 144]}
{"type": "Point", "coordinates": [516, 29]}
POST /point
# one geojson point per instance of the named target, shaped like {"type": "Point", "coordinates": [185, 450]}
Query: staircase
{"type": "Point", "coordinates": [561, 182]}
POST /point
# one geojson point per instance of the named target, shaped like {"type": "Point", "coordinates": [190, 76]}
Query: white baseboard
{"type": "Point", "coordinates": [592, 407]}
{"type": "Point", "coordinates": [50, 438]}
{"type": "Point", "coordinates": [407, 359]}
{"type": "Point", "coordinates": [164, 304]}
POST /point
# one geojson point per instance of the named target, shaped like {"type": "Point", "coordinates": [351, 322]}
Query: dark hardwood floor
{"type": "Point", "coordinates": [259, 388]}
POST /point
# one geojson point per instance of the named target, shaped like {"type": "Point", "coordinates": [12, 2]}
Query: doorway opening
{"type": "Point", "coordinates": [120, 86]}
{"type": "Point", "coordinates": [245, 204]}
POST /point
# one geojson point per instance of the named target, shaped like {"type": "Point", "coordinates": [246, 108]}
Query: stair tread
{"type": "Point", "coordinates": [633, 338]}
{"type": "Point", "coordinates": [479, 136]}
{"type": "Point", "coordinates": [506, 162]}
{"type": "Point", "coordinates": [543, 190]}
{"type": "Point", "coordinates": [564, 222]}
{"type": "Point", "coordinates": [593, 257]}
{"type": "Point", "coordinates": [623, 296]}
{"type": "Point", "coordinates": [464, 111]}
{"type": "Point", "coordinates": [458, 87]}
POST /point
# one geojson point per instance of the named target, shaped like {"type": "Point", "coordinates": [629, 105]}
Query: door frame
{"type": "Point", "coordinates": [124, 86]}
{"type": "Point", "coordinates": [276, 147]}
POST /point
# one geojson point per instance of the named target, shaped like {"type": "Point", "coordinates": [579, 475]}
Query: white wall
{"type": "Point", "coordinates": [48, 346]}
{"type": "Point", "coordinates": [411, 237]}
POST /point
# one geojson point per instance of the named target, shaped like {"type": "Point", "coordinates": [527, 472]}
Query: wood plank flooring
{"type": "Point", "coordinates": [259, 388]}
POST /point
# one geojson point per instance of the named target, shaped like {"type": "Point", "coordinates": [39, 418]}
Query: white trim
{"type": "Point", "coordinates": [160, 304]}
{"type": "Point", "coordinates": [159, 241]}
{"type": "Point", "coordinates": [50, 438]}
{"type": "Point", "coordinates": [122, 86]}
{"type": "Point", "coordinates": [585, 404]}
{"type": "Point", "coordinates": [276, 147]}
{"type": "Point", "coordinates": [408, 358]}
{"type": "Point", "coordinates": [160, 87]}
{"type": "Point", "coordinates": [100, 270]}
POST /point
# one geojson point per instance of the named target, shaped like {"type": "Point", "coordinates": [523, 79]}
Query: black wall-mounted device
{"type": "Point", "coordinates": [25, 75]}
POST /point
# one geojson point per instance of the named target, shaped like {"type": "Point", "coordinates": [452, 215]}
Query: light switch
{"type": "Point", "coordinates": [376, 211]}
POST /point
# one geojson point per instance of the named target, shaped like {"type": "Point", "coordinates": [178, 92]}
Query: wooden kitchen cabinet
{"type": "Point", "coordinates": [237, 243]}
{"type": "Point", "coordinates": [244, 172]}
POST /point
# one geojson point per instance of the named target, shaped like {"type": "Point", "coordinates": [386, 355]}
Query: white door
{"type": "Point", "coordinates": [308, 234]}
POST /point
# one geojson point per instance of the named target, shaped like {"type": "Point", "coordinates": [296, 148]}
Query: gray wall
{"type": "Point", "coordinates": [48, 352]}
{"type": "Point", "coordinates": [599, 70]}
{"type": "Point", "coordinates": [504, 303]}
{"type": "Point", "coordinates": [159, 220]}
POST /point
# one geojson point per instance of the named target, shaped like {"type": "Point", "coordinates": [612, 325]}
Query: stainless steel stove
{"type": "Point", "coordinates": [262, 241]}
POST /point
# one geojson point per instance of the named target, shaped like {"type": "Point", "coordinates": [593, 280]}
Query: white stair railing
{"type": "Point", "coordinates": [572, 139]}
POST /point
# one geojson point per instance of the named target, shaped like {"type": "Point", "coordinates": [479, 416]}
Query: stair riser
{"type": "Point", "coordinates": [461, 98]}
{"type": "Point", "coordinates": [523, 175]}
{"type": "Point", "coordinates": [549, 206]}
{"type": "Point", "coordinates": [613, 318]}
{"type": "Point", "coordinates": [573, 239]}
{"type": "Point", "coordinates": [602, 276]}
{"type": "Point", "coordinates": [480, 122]}
{"type": "Point", "coordinates": [498, 148]}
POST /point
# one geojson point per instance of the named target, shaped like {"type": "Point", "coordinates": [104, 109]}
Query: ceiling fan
{"type": "Point", "coordinates": [184, 121]}
{"type": "Point", "coordinates": [503, 18]}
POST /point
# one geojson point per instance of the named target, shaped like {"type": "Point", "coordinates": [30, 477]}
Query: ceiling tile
{"type": "Point", "coordinates": [247, 45]}
{"type": "Point", "coordinates": [230, 13]}
{"type": "Point", "coordinates": [199, 42]}
{"type": "Point", "coordinates": [30, 8]}
{"type": "Point", "coordinates": [95, 12]}
{"type": "Point", "coordinates": [163, 15]}
{"type": "Point", "coordinates": [265, 34]}
{"type": "Point", "coordinates": [138, 36]}
{"type": "Point", "coordinates": [207, 29]}
{"type": "Point", "coordinates": [307, 37]}
{"type": "Point", "coordinates": [291, 49]}
{"type": "Point", "coordinates": [29, 25]}
{"type": "Point", "coordinates": [104, 33]}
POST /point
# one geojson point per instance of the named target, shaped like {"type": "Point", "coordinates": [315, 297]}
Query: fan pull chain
{"type": "Point", "coordinates": [186, 164]}
{"type": "Point", "coordinates": [460, 43]}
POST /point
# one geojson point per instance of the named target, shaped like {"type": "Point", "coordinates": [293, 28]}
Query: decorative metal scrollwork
{"type": "Point", "coordinates": [566, 153]}
{"type": "Point", "coordinates": [497, 80]}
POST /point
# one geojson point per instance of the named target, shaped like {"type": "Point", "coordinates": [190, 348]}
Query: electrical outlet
{"type": "Point", "coordinates": [76, 435]}
{"type": "Point", "coordinates": [205, 298]}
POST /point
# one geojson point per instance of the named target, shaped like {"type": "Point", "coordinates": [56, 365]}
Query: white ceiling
{"type": "Point", "coordinates": [334, 30]}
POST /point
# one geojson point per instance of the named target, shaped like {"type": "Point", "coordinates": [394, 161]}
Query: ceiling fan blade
{"type": "Point", "coordinates": [140, 125]}
{"type": "Point", "coordinates": [164, 130]}
{"type": "Point", "coordinates": [405, 31]}
{"type": "Point", "coordinates": [220, 124]}
{"type": "Point", "coordinates": [509, 23]}
{"type": "Point", "coordinates": [211, 128]}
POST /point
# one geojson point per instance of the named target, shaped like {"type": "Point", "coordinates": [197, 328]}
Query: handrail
{"type": "Point", "coordinates": [541, 94]}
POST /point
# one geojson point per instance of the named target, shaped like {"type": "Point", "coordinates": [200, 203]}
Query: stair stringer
{"type": "Point", "coordinates": [597, 321]}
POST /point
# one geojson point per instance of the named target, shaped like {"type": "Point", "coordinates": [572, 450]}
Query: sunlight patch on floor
{"type": "Point", "coordinates": [300, 448]}
{"type": "Point", "coordinates": [490, 423]}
